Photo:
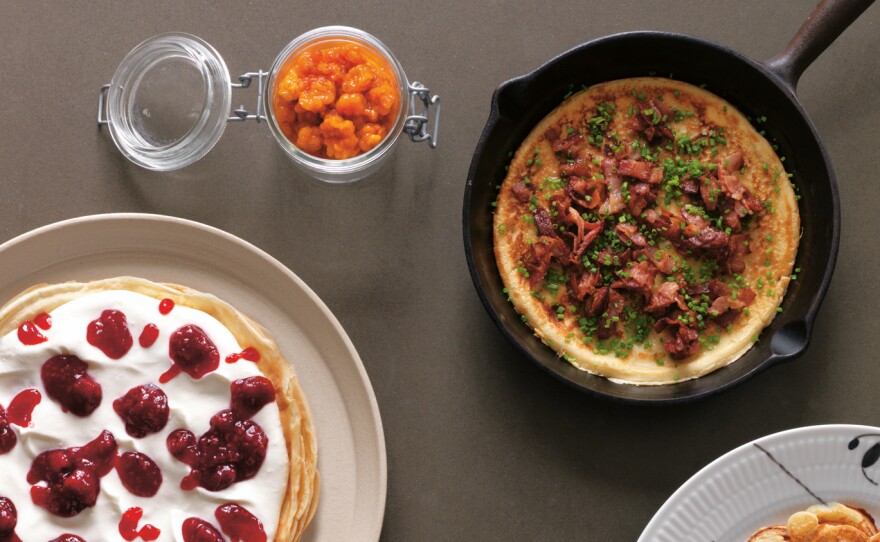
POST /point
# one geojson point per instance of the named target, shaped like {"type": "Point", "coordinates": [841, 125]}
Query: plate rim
{"type": "Point", "coordinates": [381, 497]}
{"type": "Point", "coordinates": [697, 478]}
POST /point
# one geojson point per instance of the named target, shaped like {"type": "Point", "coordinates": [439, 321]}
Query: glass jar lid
{"type": "Point", "coordinates": [168, 102]}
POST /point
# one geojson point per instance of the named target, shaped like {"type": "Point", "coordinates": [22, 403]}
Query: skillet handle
{"type": "Point", "coordinates": [822, 27]}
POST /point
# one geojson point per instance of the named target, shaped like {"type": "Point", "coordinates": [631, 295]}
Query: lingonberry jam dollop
{"type": "Point", "coordinates": [128, 526]}
{"type": "Point", "coordinates": [72, 475]}
{"type": "Point", "coordinates": [7, 435]}
{"type": "Point", "coordinates": [199, 530]}
{"type": "Point", "coordinates": [43, 321]}
{"type": "Point", "coordinates": [250, 395]}
{"type": "Point", "coordinates": [29, 334]}
{"type": "Point", "coordinates": [192, 352]}
{"type": "Point", "coordinates": [22, 407]}
{"type": "Point", "coordinates": [110, 334]}
{"type": "Point", "coordinates": [139, 474]}
{"type": "Point", "coordinates": [166, 306]}
{"type": "Point", "coordinates": [144, 409]}
{"type": "Point", "coordinates": [68, 382]}
{"type": "Point", "coordinates": [8, 521]}
{"type": "Point", "coordinates": [68, 538]}
{"type": "Point", "coordinates": [248, 354]}
{"type": "Point", "coordinates": [234, 448]}
{"type": "Point", "coordinates": [239, 524]}
{"type": "Point", "coordinates": [149, 335]}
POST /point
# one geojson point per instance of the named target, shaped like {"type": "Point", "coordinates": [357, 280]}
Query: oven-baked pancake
{"type": "Point", "coordinates": [646, 231]}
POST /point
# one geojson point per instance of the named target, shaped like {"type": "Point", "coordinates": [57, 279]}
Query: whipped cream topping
{"type": "Point", "coordinates": [192, 404]}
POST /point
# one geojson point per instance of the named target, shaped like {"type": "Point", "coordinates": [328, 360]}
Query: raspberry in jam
{"type": "Point", "coordinates": [238, 523]}
{"type": "Point", "coordinates": [144, 409]}
{"type": "Point", "coordinates": [110, 334]}
{"type": "Point", "coordinates": [72, 475]}
{"type": "Point", "coordinates": [192, 352]}
{"type": "Point", "coordinates": [7, 435]}
{"type": "Point", "coordinates": [139, 474]}
{"type": "Point", "coordinates": [234, 447]}
{"type": "Point", "coordinates": [250, 395]}
{"type": "Point", "coordinates": [68, 382]}
{"type": "Point", "coordinates": [199, 530]}
{"type": "Point", "coordinates": [8, 521]}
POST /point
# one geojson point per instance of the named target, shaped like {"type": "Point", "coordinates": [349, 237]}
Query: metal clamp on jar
{"type": "Point", "coordinates": [170, 99]}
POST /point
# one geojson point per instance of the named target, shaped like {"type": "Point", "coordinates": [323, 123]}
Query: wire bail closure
{"type": "Point", "coordinates": [416, 125]}
{"type": "Point", "coordinates": [241, 114]}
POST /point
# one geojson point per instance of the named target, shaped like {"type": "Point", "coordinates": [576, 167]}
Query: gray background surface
{"type": "Point", "coordinates": [482, 445]}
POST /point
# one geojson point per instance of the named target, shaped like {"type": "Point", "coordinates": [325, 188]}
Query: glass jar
{"type": "Point", "coordinates": [168, 103]}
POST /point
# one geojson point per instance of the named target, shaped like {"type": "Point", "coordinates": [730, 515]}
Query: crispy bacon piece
{"type": "Point", "coordinates": [615, 202]}
{"type": "Point", "coordinates": [630, 234]}
{"type": "Point", "coordinates": [645, 124]}
{"type": "Point", "coordinates": [710, 189]}
{"type": "Point", "coordinates": [581, 287]}
{"type": "Point", "coordinates": [667, 225]}
{"type": "Point", "coordinates": [579, 167]}
{"type": "Point", "coordinates": [586, 234]}
{"type": "Point", "coordinates": [683, 342]}
{"type": "Point", "coordinates": [565, 144]}
{"type": "Point", "coordinates": [543, 223]}
{"type": "Point", "coordinates": [656, 176]}
{"type": "Point", "coordinates": [661, 259]}
{"type": "Point", "coordinates": [640, 279]}
{"type": "Point", "coordinates": [733, 161]}
{"type": "Point", "coordinates": [663, 297]}
{"type": "Point", "coordinates": [736, 251]}
{"type": "Point", "coordinates": [631, 168]}
{"type": "Point", "coordinates": [608, 324]}
{"type": "Point", "coordinates": [560, 203]}
{"type": "Point", "coordinates": [690, 186]}
{"type": "Point", "coordinates": [597, 303]}
{"type": "Point", "coordinates": [578, 189]}
{"type": "Point", "coordinates": [522, 191]}
{"type": "Point", "coordinates": [640, 196]}
{"type": "Point", "coordinates": [537, 258]}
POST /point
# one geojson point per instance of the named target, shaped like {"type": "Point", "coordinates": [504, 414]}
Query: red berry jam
{"type": "Point", "coordinates": [230, 451]}
{"type": "Point", "coordinates": [199, 530]}
{"type": "Point", "coordinates": [8, 520]}
{"type": "Point", "coordinates": [67, 381]}
{"type": "Point", "coordinates": [68, 538]}
{"type": "Point", "coordinates": [144, 409]}
{"type": "Point", "coordinates": [249, 354]}
{"type": "Point", "coordinates": [166, 305]}
{"type": "Point", "coordinates": [128, 526]}
{"type": "Point", "coordinates": [22, 407]}
{"type": "Point", "coordinates": [110, 334]}
{"type": "Point", "coordinates": [29, 334]}
{"type": "Point", "coordinates": [239, 524]}
{"type": "Point", "coordinates": [139, 474]}
{"type": "Point", "coordinates": [251, 394]}
{"type": "Point", "coordinates": [72, 475]}
{"type": "Point", "coordinates": [7, 435]}
{"type": "Point", "coordinates": [43, 321]}
{"type": "Point", "coordinates": [192, 352]}
{"type": "Point", "coordinates": [148, 335]}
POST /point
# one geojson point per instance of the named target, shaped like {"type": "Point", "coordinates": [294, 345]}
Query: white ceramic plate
{"type": "Point", "coordinates": [763, 482]}
{"type": "Point", "coordinates": [351, 445]}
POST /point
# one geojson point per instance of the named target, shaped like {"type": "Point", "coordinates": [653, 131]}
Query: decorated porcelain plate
{"type": "Point", "coordinates": [765, 481]}
{"type": "Point", "coordinates": [351, 444]}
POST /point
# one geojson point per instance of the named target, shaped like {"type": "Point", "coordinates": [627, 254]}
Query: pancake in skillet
{"type": "Point", "coordinates": [646, 231]}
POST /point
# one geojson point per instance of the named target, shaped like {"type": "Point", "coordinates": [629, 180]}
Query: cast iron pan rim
{"type": "Point", "coordinates": [817, 296]}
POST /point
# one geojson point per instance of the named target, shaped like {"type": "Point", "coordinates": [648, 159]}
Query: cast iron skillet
{"type": "Point", "coordinates": [756, 89]}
